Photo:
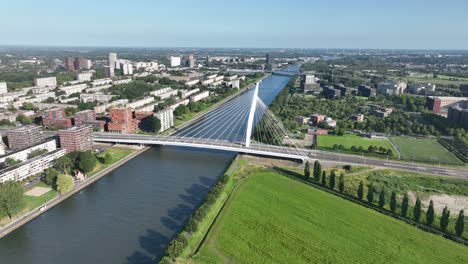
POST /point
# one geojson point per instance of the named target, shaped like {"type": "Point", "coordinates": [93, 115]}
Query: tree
{"type": "Point", "coordinates": [51, 176]}
{"type": "Point", "coordinates": [317, 170]}
{"type": "Point", "coordinates": [393, 202]}
{"type": "Point", "coordinates": [86, 161]}
{"type": "Point", "coordinates": [370, 194]}
{"type": "Point", "coordinates": [444, 220]}
{"type": "Point", "coordinates": [404, 205]}
{"type": "Point", "coordinates": [417, 210]}
{"type": "Point", "coordinates": [151, 124]}
{"type": "Point", "coordinates": [460, 225]}
{"type": "Point", "coordinates": [174, 249]}
{"type": "Point", "coordinates": [11, 162]}
{"type": "Point", "coordinates": [63, 164]}
{"type": "Point", "coordinates": [430, 214]}
{"type": "Point", "coordinates": [11, 198]}
{"type": "Point", "coordinates": [341, 183]}
{"type": "Point", "coordinates": [64, 183]}
{"type": "Point", "coordinates": [324, 178]}
{"type": "Point", "coordinates": [24, 120]}
{"type": "Point", "coordinates": [307, 171]}
{"type": "Point", "coordinates": [107, 158]}
{"type": "Point", "coordinates": [360, 190]}
{"type": "Point", "coordinates": [332, 180]}
{"type": "Point", "coordinates": [382, 198]}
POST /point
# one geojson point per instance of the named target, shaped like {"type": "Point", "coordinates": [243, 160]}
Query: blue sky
{"type": "Point", "coordinates": [413, 24]}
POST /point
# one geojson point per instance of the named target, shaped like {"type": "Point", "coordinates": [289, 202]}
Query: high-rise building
{"type": "Point", "coordinates": [24, 137]}
{"type": "Point", "coordinates": [69, 63]}
{"type": "Point", "coordinates": [126, 68]}
{"type": "Point", "coordinates": [76, 138]}
{"type": "Point", "coordinates": [80, 63]}
{"type": "Point", "coordinates": [122, 121]}
{"type": "Point", "coordinates": [175, 61]}
{"type": "Point", "coordinates": [3, 88]}
{"type": "Point", "coordinates": [112, 59]}
{"type": "Point", "coordinates": [166, 117]}
{"type": "Point", "coordinates": [270, 61]}
{"type": "Point", "coordinates": [190, 61]}
{"type": "Point", "coordinates": [84, 116]}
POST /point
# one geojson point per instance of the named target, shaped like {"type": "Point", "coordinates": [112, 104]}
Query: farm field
{"type": "Point", "coordinates": [271, 218]}
{"type": "Point", "coordinates": [349, 140]}
{"type": "Point", "coordinates": [425, 150]}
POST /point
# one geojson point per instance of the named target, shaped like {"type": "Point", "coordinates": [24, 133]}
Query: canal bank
{"type": "Point", "coordinates": [52, 203]}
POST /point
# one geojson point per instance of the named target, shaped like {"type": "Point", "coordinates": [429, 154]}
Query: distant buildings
{"type": "Point", "coordinates": [45, 82]}
{"type": "Point", "coordinates": [190, 61]}
{"type": "Point", "coordinates": [85, 76]}
{"type": "Point", "coordinates": [459, 114]}
{"type": "Point", "coordinates": [24, 137]}
{"type": "Point", "coordinates": [308, 84]}
{"type": "Point", "coordinates": [302, 120]}
{"type": "Point", "coordinates": [56, 117]}
{"type": "Point", "coordinates": [112, 59]}
{"type": "Point", "coordinates": [422, 88]}
{"type": "Point", "coordinates": [358, 117]}
{"type": "Point", "coordinates": [3, 88]}
{"type": "Point", "coordinates": [122, 121]}
{"type": "Point", "coordinates": [391, 88]}
{"type": "Point", "coordinates": [366, 91]}
{"type": "Point", "coordinates": [317, 119]}
{"type": "Point", "coordinates": [76, 138]}
{"type": "Point", "coordinates": [270, 61]}
{"type": "Point", "coordinates": [76, 64]}
{"type": "Point", "coordinates": [166, 117]}
{"type": "Point", "coordinates": [175, 61]}
{"type": "Point", "coordinates": [88, 117]}
{"type": "Point", "coordinates": [383, 112]}
{"type": "Point", "coordinates": [126, 68]}
{"type": "Point", "coordinates": [439, 104]}
{"type": "Point", "coordinates": [464, 89]}
{"type": "Point", "coordinates": [330, 92]}
{"type": "Point", "coordinates": [199, 96]}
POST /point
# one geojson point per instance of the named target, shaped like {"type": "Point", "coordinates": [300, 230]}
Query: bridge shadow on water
{"type": "Point", "coordinates": [153, 243]}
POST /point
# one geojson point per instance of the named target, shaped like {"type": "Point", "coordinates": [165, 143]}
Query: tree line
{"type": "Point", "coordinates": [374, 196]}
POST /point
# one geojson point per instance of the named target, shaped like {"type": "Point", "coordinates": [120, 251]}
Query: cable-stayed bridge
{"type": "Point", "coordinates": [243, 124]}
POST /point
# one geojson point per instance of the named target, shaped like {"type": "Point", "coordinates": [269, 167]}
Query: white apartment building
{"type": "Point", "coordinates": [84, 76]}
{"type": "Point", "coordinates": [45, 82]}
{"type": "Point", "coordinates": [30, 167]}
{"type": "Point", "coordinates": [161, 91]}
{"type": "Point", "coordinates": [22, 154]}
{"type": "Point", "coordinates": [167, 93]}
{"type": "Point", "coordinates": [74, 88]}
{"type": "Point", "coordinates": [126, 68]}
{"type": "Point", "coordinates": [10, 97]}
{"type": "Point", "coordinates": [141, 102]}
{"type": "Point", "coordinates": [117, 82]}
{"type": "Point", "coordinates": [40, 90]}
{"type": "Point", "coordinates": [207, 82]}
{"type": "Point", "coordinates": [186, 94]}
{"type": "Point", "coordinates": [167, 118]}
{"type": "Point", "coordinates": [98, 88]}
{"type": "Point", "coordinates": [175, 61]}
{"type": "Point", "coordinates": [96, 97]}
{"type": "Point", "coordinates": [102, 108]}
{"type": "Point", "coordinates": [391, 88]}
{"type": "Point", "coordinates": [199, 96]}
{"type": "Point", "coordinates": [147, 108]}
{"type": "Point", "coordinates": [183, 102]}
{"type": "Point", "coordinates": [100, 82]}
{"type": "Point", "coordinates": [3, 88]}
{"type": "Point", "coordinates": [192, 82]}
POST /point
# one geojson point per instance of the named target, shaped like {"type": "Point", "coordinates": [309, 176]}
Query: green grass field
{"type": "Point", "coordinates": [425, 150]}
{"type": "Point", "coordinates": [349, 140]}
{"type": "Point", "coordinates": [274, 219]}
{"type": "Point", "coordinates": [117, 153]}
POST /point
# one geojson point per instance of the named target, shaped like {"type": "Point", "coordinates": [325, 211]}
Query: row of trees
{"type": "Point", "coordinates": [320, 177]}
{"type": "Point", "coordinates": [176, 247]}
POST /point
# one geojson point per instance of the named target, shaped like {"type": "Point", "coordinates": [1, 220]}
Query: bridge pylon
{"type": "Point", "coordinates": [250, 121]}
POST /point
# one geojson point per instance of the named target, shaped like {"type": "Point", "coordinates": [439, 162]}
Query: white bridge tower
{"type": "Point", "coordinates": [250, 121]}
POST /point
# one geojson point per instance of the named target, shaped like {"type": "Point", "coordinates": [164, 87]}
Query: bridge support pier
{"type": "Point", "coordinates": [253, 106]}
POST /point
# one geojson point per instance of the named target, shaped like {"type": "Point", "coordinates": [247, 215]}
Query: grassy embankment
{"type": "Point", "coordinates": [275, 219]}
{"type": "Point", "coordinates": [117, 153]}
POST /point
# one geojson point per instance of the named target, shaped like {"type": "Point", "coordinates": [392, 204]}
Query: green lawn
{"type": "Point", "coordinates": [349, 140]}
{"type": "Point", "coordinates": [425, 150]}
{"type": "Point", "coordinates": [274, 219]}
{"type": "Point", "coordinates": [117, 153]}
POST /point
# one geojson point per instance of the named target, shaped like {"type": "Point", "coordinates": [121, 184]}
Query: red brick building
{"type": "Point", "coordinates": [88, 117]}
{"type": "Point", "coordinates": [70, 64]}
{"type": "Point", "coordinates": [76, 139]}
{"type": "Point", "coordinates": [122, 121]}
{"type": "Point", "coordinates": [56, 118]}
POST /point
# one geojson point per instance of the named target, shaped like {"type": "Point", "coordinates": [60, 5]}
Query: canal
{"type": "Point", "coordinates": [130, 215]}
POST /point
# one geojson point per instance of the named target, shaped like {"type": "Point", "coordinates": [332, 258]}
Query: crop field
{"type": "Point", "coordinates": [271, 218]}
{"type": "Point", "coordinates": [425, 150]}
{"type": "Point", "coordinates": [349, 140]}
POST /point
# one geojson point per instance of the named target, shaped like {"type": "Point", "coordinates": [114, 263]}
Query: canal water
{"type": "Point", "coordinates": [130, 215]}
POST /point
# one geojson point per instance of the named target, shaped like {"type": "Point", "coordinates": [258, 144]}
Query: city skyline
{"type": "Point", "coordinates": [388, 25]}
